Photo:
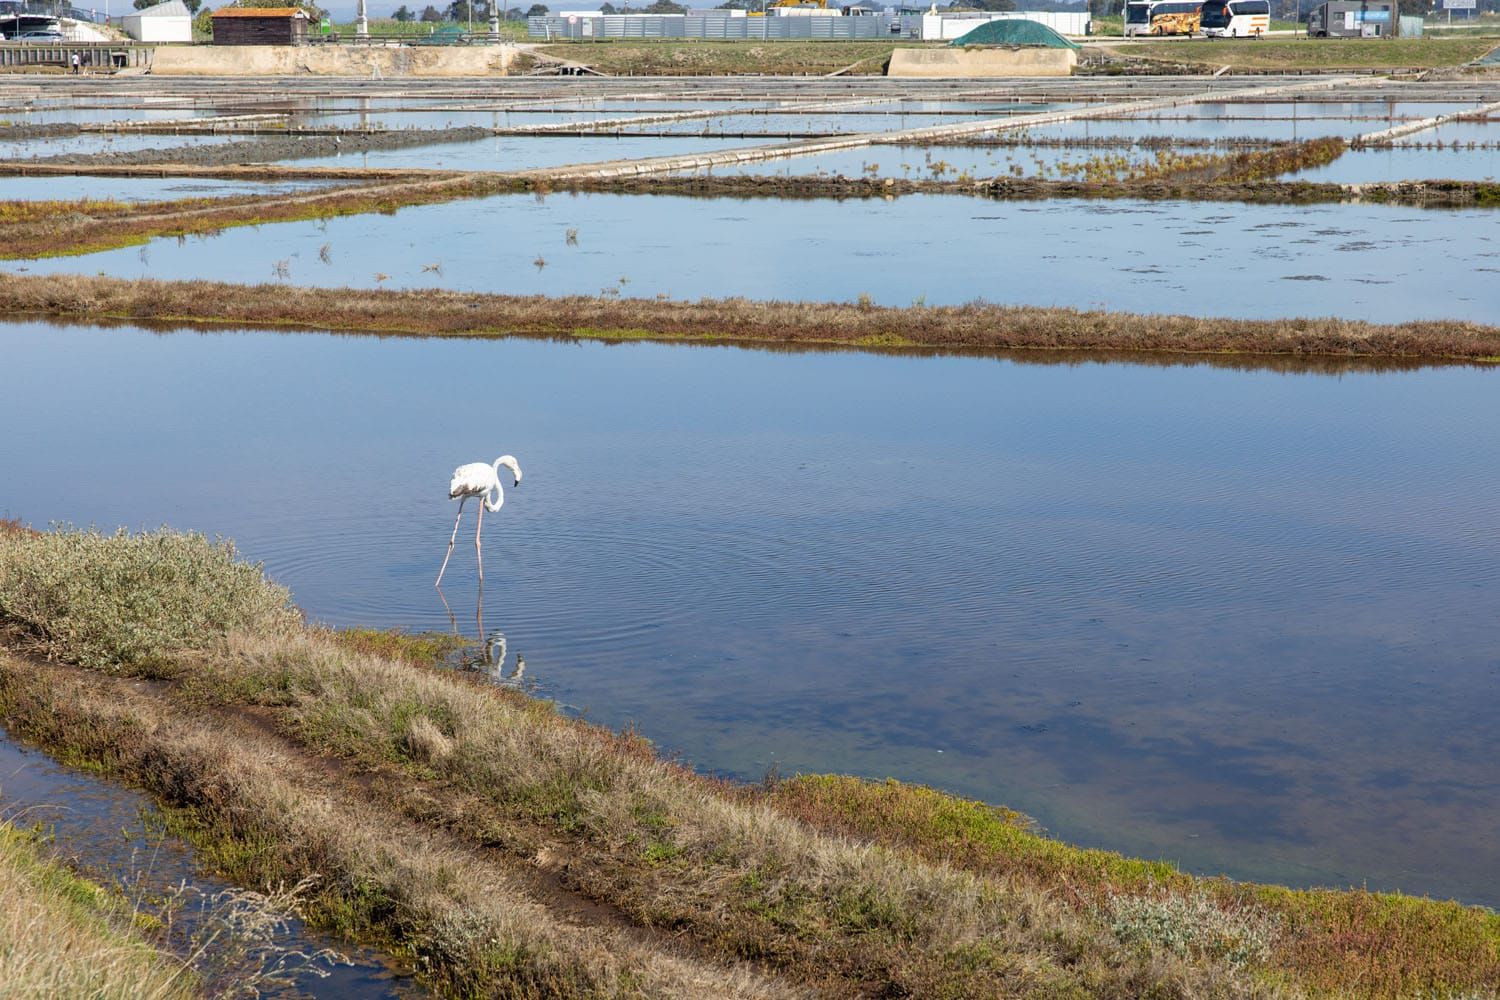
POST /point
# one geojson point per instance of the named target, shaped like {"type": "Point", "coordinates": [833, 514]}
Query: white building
{"type": "Point", "coordinates": [165, 22]}
{"type": "Point", "coordinates": [948, 26]}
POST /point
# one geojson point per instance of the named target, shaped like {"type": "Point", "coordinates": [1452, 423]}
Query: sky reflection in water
{"type": "Point", "coordinates": [1239, 619]}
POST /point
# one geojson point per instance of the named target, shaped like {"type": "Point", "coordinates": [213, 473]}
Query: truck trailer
{"type": "Point", "coordinates": [1353, 19]}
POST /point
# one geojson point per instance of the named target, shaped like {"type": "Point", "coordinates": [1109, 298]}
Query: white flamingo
{"type": "Point", "coordinates": [477, 480]}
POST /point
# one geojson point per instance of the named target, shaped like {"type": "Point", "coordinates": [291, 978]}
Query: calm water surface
{"type": "Point", "coordinates": [1357, 261]}
{"type": "Point", "coordinates": [1240, 619]}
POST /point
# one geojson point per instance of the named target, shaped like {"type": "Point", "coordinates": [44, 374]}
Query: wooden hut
{"type": "Point", "coordinates": [260, 26]}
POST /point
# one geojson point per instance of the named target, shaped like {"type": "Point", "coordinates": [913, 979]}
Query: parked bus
{"type": "Point", "coordinates": [1162, 17]}
{"type": "Point", "coordinates": [1235, 18]}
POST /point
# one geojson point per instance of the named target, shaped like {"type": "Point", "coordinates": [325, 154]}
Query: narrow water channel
{"type": "Point", "coordinates": [112, 835]}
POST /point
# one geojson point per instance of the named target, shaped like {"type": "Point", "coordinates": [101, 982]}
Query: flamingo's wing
{"type": "Point", "coordinates": [474, 479]}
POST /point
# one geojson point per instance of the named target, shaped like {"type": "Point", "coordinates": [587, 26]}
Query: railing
{"type": "Point", "coordinates": [45, 8]}
{"type": "Point", "coordinates": [91, 55]}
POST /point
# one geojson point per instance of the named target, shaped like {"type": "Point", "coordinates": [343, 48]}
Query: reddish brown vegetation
{"type": "Point", "coordinates": [973, 326]}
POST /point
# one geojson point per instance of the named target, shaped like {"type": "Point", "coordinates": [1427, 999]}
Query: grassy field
{"type": "Point", "coordinates": [61, 936]}
{"type": "Point", "coordinates": [683, 58]}
{"type": "Point", "coordinates": [509, 851]}
{"type": "Point", "coordinates": [1315, 53]}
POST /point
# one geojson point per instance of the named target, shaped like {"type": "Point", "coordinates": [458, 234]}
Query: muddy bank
{"type": "Point", "coordinates": [1431, 194]}
{"type": "Point", "coordinates": [967, 327]}
{"type": "Point", "coordinates": [64, 228]}
{"type": "Point", "coordinates": [49, 130]}
{"type": "Point", "coordinates": [269, 149]}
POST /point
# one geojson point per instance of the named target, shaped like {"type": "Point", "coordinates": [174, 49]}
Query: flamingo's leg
{"type": "Point", "coordinates": [451, 539]}
{"type": "Point", "coordinates": [478, 552]}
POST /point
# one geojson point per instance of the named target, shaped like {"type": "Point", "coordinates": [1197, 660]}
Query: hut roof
{"type": "Point", "coordinates": [171, 8]}
{"type": "Point", "coordinates": [260, 12]}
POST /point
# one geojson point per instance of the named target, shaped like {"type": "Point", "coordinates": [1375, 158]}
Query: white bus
{"type": "Point", "coordinates": [1235, 18]}
{"type": "Point", "coordinates": [1162, 17]}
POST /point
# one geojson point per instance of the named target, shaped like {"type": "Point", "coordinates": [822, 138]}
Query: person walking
{"type": "Point", "coordinates": [74, 60]}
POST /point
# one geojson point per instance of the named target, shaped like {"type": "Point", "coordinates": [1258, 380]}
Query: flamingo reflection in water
{"type": "Point", "coordinates": [488, 654]}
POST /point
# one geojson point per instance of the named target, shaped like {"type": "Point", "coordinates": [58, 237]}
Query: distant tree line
{"type": "Point", "coordinates": [462, 10]}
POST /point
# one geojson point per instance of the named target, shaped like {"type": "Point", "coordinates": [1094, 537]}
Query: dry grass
{"type": "Point", "coordinates": [976, 326]}
{"type": "Point", "coordinates": [63, 937]}
{"type": "Point", "coordinates": [1343, 941]}
{"type": "Point", "coordinates": [54, 229]}
{"type": "Point", "coordinates": [845, 887]}
{"type": "Point", "coordinates": [1314, 53]}
{"type": "Point", "coordinates": [1242, 166]}
{"type": "Point", "coordinates": [470, 928]}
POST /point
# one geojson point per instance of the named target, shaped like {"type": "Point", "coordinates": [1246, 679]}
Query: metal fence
{"type": "Point", "coordinates": [769, 29]}
{"type": "Point", "coordinates": [47, 8]}
{"type": "Point", "coordinates": [92, 56]}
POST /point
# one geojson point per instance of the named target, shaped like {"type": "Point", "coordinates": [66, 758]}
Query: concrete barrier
{"type": "Point", "coordinates": [978, 63]}
{"type": "Point", "coordinates": [332, 60]}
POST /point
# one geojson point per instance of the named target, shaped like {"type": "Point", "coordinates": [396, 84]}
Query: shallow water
{"type": "Point", "coordinates": [1239, 619]}
{"type": "Point", "coordinates": [1210, 128]}
{"type": "Point", "coordinates": [444, 118]}
{"type": "Point", "coordinates": [1399, 163]}
{"type": "Point", "coordinates": [113, 835]}
{"type": "Point", "coordinates": [512, 152]}
{"type": "Point", "coordinates": [1357, 261]}
{"type": "Point", "coordinates": [79, 115]}
{"type": "Point", "coordinates": [138, 188]}
{"type": "Point", "coordinates": [932, 162]}
{"type": "Point", "coordinates": [104, 142]}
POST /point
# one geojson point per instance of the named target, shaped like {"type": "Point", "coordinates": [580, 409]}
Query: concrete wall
{"type": "Point", "coordinates": [981, 63]}
{"type": "Point", "coordinates": [332, 60]}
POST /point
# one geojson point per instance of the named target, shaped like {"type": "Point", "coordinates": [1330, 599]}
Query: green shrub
{"type": "Point", "coordinates": [1193, 927]}
{"type": "Point", "coordinates": [107, 601]}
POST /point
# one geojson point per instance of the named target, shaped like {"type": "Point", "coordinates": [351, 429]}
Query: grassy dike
{"type": "Point", "coordinates": [975, 326]}
{"type": "Point", "coordinates": [1281, 54]}
{"type": "Point", "coordinates": [508, 851]}
{"type": "Point", "coordinates": [61, 936]}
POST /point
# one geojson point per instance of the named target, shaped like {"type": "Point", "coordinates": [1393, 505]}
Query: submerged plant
{"type": "Point", "coordinates": [234, 944]}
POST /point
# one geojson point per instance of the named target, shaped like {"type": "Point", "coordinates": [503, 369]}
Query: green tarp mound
{"type": "Point", "coordinates": [1014, 31]}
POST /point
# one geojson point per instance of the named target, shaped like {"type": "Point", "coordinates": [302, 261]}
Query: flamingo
{"type": "Point", "coordinates": [483, 481]}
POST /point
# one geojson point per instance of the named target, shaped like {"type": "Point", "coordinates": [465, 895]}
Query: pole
{"type": "Point", "coordinates": [494, 24]}
{"type": "Point", "coordinates": [361, 23]}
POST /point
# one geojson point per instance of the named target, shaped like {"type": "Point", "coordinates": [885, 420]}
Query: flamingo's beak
{"type": "Point", "coordinates": [516, 483]}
